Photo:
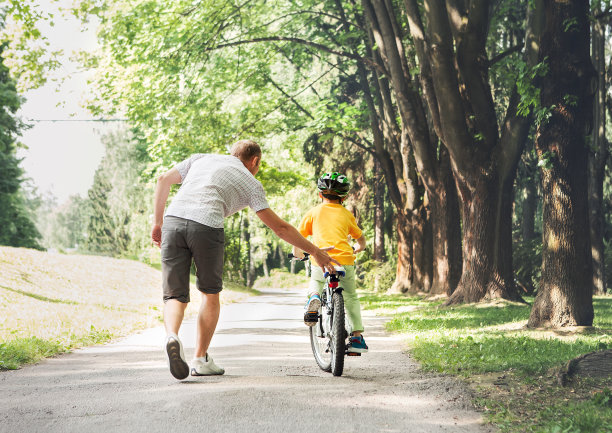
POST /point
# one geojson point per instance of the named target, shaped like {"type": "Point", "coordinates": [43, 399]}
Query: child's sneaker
{"type": "Point", "coordinates": [311, 316]}
{"type": "Point", "coordinates": [205, 366]}
{"type": "Point", "coordinates": [357, 345]}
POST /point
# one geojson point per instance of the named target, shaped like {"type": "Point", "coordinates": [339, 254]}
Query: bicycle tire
{"type": "Point", "coordinates": [320, 342]}
{"type": "Point", "coordinates": [338, 335]}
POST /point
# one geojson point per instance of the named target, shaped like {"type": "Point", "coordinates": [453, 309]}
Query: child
{"type": "Point", "coordinates": [330, 224]}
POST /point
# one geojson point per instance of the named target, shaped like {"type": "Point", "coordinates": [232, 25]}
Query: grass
{"type": "Point", "coordinates": [51, 303]}
{"type": "Point", "coordinates": [511, 369]}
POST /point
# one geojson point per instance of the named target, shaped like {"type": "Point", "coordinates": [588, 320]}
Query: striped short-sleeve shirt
{"type": "Point", "coordinates": [214, 187]}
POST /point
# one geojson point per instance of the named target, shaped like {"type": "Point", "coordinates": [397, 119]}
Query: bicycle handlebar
{"type": "Point", "coordinates": [292, 257]}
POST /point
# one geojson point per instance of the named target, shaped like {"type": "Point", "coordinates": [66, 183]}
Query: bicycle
{"type": "Point", "coordinates": [328, 335]}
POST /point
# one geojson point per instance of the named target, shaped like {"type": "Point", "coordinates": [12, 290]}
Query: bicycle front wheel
{"type": "Point", "coordinates": [338, 335]}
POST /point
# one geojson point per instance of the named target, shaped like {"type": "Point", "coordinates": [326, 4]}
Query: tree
{"type": "Point", "coordinates": [598, 155]}
{"type": "Point", "coordinates": [17, 228]}
{"type": "Point", "coordinates": [120, 200]}
{"type": "Point", "coordinates": [450, 41]}
{"type": "Point", "coordinates": [565, 293]}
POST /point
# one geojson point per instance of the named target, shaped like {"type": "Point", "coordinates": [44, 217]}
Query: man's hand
{"type": "Point", "coordinates": [324, 260]}
{"type": "Point", "coordinates": [156, 235]}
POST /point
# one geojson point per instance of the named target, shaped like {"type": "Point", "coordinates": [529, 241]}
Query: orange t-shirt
{"type": "Point", "coordinates": [331, 224]}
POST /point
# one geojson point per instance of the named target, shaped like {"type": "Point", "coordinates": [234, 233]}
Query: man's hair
{"type": "Point", "coordinates": [245, 150]}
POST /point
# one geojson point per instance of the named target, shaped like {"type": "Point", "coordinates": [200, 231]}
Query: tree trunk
{"type": "Point", "coordinates": [530, 205]}
{"type": "Point", "coordinates": [446, 231]}
{"type": "Point", "coordinates": [421, 252]}
{"type": "Point", "coordinates": [281, 257]}
{"type": "Point", "coordinates": [266, 271]}
{"type": "Point", "coordinates": [485, 274]}
{"type": "Point", "coordinates": [403, 277]}
{"type": "Point", "coordinates": [566, 286]}
{"type": "Point", "coordinates": [597, 161]}
{"type": "Point", "coordinates": [379, 213]}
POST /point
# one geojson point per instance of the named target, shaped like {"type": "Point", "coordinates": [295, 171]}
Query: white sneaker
{"type": "Point", "coordinates": [205, 366]}
{"type": "Point", "coordinates": [176, 358]}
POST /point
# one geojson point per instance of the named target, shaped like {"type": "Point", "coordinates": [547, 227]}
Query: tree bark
{"type": "Point", "coordinates": [379, 213]}
{"type": "Point", "coordinates": [403, 276]}
{"type": "Point", "coordinates": [530, 205]}
{"type": "Point", "coordinates": [597, 160]}
{"type": "Point", "coordinates": [566, 287]}
{"type": "Point", "coordinates": [446, 231]}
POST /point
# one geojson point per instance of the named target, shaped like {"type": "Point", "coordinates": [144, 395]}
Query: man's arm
{"type": "Point", "coordinates": [162, 189]}
{"type": "Point", "coordinates": [288, 233]}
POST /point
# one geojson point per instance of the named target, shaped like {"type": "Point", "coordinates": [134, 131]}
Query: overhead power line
{"type": "Point", "coordinates": [77, 120]}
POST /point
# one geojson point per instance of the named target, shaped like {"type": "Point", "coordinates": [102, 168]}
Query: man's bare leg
{"type": "Point", "coordinates": [208, 316]}
{"type": "Point", "coordinates": [173, 315]}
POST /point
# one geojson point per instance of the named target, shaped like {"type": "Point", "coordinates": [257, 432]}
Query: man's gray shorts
{"type": "Point", "coordinates": [182, 241]}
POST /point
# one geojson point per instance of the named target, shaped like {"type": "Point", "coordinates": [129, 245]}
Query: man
{"type": "Point", "coordinates": [213, 187]}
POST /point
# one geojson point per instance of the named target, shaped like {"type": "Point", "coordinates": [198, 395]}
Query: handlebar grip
{"type": "Point", "coordinates": [291, 256]}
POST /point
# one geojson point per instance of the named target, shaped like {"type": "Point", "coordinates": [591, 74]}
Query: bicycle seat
{"type": "Point", "coordinates": [339, 271]}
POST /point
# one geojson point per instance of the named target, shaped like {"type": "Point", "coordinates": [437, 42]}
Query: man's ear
{"type": "Point", "coordinates": [255, 161]}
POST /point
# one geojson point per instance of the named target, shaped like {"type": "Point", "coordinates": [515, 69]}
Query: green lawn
{"type": "Point", "coordinates": [512, 369]}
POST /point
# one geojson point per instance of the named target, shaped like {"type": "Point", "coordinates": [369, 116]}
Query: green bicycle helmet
{"type": "Point", "coordinates": [334, 183]}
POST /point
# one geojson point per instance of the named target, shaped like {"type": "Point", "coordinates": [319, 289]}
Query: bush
{"type": "Point", "coordinates": [374, 275]}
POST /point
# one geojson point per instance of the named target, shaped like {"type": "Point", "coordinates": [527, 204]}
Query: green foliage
{"type": "Point", "coordinates": [27, 49]}
{"type": "Point", "coordinates": [603, 398]}
{"type": "Point", "coordinates": [119, 202]}
{"type": "Point", "coordinates": [479, 354]}
{"type": "Point", "coordinates": [376, 276]}
{"type": "Point", "coordinates": [282, 279]}
{"type": "Point", "coordinates": [17, 228]}
{"type": "Point", "coordinates": [21, 351]}
{"type": "Point", "coordinates": [529, 92]}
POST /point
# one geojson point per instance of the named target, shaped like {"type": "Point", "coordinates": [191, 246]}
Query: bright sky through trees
{"type": "Point", "coordinates": [61, 157]}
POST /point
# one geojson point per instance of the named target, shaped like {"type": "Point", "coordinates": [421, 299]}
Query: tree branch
{"type": "Point", "coordinates": [505, 54]}
{"type": "Point", "coordinates": [318, 46]}
{"type": "Point", "coordinates": [288, 96]}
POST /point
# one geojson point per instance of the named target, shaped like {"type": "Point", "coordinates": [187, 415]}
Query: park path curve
{"type": "Point", "coordinates": [271, 384]}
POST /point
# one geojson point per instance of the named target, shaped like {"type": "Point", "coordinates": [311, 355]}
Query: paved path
{"type": "Point", "coordinates": [272, 384]}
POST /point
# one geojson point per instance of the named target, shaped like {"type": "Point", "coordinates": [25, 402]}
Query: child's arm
{"type": "Point", "coordinates": [361, 244]}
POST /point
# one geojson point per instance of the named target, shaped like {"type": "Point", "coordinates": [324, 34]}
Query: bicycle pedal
{"type": "Point", "coordinates": [311, 317]}
{"type": "Point", "coordinates": [353, 354]}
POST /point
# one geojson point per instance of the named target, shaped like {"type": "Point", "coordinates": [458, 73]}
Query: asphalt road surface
{"type": "Point", "coordinates": [271, 384]}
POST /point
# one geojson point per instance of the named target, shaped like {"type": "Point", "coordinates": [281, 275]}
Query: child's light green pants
{"type": "Point", "coordinates": [351, 301]}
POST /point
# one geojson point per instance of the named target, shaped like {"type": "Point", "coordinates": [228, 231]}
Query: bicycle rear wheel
{"type": "Point", "coordinates": [320, 342]}
{"type": "Point", "coordinates": [338, 335]}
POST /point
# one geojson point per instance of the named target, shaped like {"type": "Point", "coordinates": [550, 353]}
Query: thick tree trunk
{"type": "Point", "coordinates": [446, 233]}
{"type": "Point", "coordinates": [403, 276]}
{"type": "Point", "coordinates": [486, 275]}
{"type": "Point", "coordinates": [566, 287]}
{"type": "Point", "coordinates": [421, 252]}
{"type": "Point", "coordinates": [597, 161]}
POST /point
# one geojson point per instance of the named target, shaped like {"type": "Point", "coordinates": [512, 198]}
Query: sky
{"type": "Point", "coordinates": [62, 157]}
